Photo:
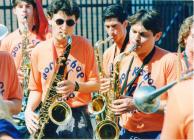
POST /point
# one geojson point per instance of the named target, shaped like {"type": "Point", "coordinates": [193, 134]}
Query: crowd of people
{"type": "Point", "coordinates": [63, 74]}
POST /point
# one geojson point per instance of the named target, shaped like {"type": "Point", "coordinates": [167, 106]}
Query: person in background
{"type": "Point", "coordinates": [116, 25]}
{"type": "Point", "coordinates": [32, 28]}
{"type": "Point", "coordinates": [178, 121]}
{"type": "Point", "coordinates": [10, 92]}
{"type": "Point", "coordinates": [80, 76]}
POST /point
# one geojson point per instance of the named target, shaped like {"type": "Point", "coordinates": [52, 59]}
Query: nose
{"type": "Point", "coordinates": [137, 38]}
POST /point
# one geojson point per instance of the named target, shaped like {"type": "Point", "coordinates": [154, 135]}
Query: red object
{"type": "Point", "coordinates": [40, 21]}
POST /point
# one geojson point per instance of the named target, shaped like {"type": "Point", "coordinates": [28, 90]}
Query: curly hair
{"type": "Point", "coordinates": [185, 30]}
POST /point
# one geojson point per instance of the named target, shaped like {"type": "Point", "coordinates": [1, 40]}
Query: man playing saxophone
{"type": "Point", "coordinates": [151, 66]}
{"type": "Point", "coordinates": [81, 75]}
{"type": "Point", "coordinates": [116, 24]}
{"type": "Point", "coordinates": [32, 29]}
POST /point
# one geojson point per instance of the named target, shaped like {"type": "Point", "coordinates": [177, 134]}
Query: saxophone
{"type": "Point", "coordinates": [108, 128]}
{"type": "Point", "coordinates": [53, 102]}
{"type": "Point", "coordinates": [25, 67]}
{"type": "Point", "coordinates": [98, 104]}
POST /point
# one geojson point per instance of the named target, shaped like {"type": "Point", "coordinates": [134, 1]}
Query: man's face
{"type": "Point", "coordinates": [189, 42]}
{"type": "Point", "coordinates": [23, 10]}
{"type": "Point", "coordinates": [62, 25]}
{"type": "Point", "coordinates": [143, 38]}
{"type": "Point", "coordinates": [115, 28]}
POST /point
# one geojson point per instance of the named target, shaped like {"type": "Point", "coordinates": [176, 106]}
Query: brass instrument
{"type": "Point", "coordinates": [53, 102]}
{"type": "Point", "coordinates": [108, 128]}
{"type": "Point", "coordinates": [3, 31]}
{"type": "Point", "coordinates": [98, 104]}
{"type": "Point", "coordinates": [25, 66]}
{"type": "Point", "coordinates": [145, 98]}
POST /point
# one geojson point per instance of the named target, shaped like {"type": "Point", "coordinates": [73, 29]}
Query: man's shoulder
{"type": "Point", "coordinates": [165, 54]}
{"type": "Point", "coordinates": [110, 50]}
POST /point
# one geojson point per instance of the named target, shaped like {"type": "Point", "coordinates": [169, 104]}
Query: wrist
{"type": "Point", "coordinates": [76, 86]}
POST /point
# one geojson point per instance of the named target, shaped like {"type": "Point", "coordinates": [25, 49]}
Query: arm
{"type": "Point", "coordinates": [31, 118]}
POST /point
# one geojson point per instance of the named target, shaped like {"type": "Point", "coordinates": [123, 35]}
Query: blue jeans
{"type": "Point", "coordinates": [124, 134]}
{"type": "Point", "coordinates": [79, 127]}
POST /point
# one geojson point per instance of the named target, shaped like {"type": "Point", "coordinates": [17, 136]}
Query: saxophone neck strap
{"type": "Point", "coordinates": [145, 62]}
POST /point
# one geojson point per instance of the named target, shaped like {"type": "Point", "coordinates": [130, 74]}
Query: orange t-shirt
{"type": "Point", "coordinates": [178, 122]}
{"type": "Point", "coordinates": [160, 71]}
{"type": "Point", "coordinates": [108, 58]}
{"type": "Point", "coordinates": [12, 43]}
{"type": "Point", "coordinates": [81, 66]}
{"type": "Point", "coordinates": [9, 83]}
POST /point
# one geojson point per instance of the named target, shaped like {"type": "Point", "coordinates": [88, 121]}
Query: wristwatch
{"type": "Point", "coordinates": [76, 86]}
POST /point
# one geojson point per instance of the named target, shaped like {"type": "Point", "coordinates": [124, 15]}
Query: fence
{"type": "Point", "coordinates": [91, 25]}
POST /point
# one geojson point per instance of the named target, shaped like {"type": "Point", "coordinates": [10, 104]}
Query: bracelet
{"type": "Point", "coordinates": [76, 86]}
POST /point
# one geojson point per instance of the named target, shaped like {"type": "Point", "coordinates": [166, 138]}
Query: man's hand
{"type": "Point", "coordinates": [65, 88]}
{"type": "Point", "coordinates": [122, 105]}
{"type": "Point", "coordinates": [31, 120]}
{"type": "Point", "coordinates": [104, 85]}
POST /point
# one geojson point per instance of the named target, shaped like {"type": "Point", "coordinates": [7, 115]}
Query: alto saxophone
{"type": "Point", "coordinates": [25, 67]}
{"type": "Point", "coordinates": [53, 102]}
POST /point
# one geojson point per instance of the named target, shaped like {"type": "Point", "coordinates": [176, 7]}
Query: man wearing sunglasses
{"type": "Point", "coordinates": [81, 74]}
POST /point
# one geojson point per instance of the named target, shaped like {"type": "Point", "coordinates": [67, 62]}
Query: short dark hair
{"type": "Point", "coordinates": [150, 19]}
{"type": "Point", "coordinates": [115, 11]}
{"type": "Point", "coordinates": [15, 2]}
{"type": "Point", "coordinates": [68, 6]}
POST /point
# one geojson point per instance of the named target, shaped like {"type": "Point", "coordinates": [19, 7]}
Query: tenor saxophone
{"type": "Point", "coordinates": [108, 128]}
{"type": "Point", "coordinates": [53, 102]}
{"type": "Point", "coordinates": [98, 104]}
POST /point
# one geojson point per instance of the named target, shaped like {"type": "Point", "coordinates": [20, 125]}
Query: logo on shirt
{"type": "Point", "coordinates": [146, 78]}
{"type": "Point", "coordinates": [75, 68]}
{"type": "Point", "coordinates": [19, 45]}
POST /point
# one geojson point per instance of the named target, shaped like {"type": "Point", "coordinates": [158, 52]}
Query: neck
{"type": "Point", "coordinates": [142, 54]}
{"type": "Point", "coordinates": [121, 40]}
{"type": "Point", "coordinates": [59, 43]}
{"type": "Point", "coordinates": [21, 27]}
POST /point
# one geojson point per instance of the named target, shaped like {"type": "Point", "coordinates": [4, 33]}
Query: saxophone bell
{"type": "Point", "coordinates": [60, 113]}
{"type": "Point", "coordinates": [107, 129]}
{"type": "Point", "coordinates": [97, 105]}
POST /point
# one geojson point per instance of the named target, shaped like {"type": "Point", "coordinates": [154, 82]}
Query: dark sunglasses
{"type": "Point", "coordinates": [69, 22]}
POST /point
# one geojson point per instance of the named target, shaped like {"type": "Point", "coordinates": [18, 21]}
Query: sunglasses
{"type": "Point", "coordinates": [69, 22]}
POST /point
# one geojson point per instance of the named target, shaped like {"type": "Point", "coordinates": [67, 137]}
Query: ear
{"type": "Point", "coordinates": [158, 35]}
{"type": "Point", "coordinates": [125, 23]}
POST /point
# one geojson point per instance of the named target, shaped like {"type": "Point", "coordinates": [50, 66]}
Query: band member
{"type": "Point", "coordinates": [10, 93]}
{"type": "Point", "coordinates": [81, 74]}
{"type": "Point", "coordinates": [30, 17]}
{"type": "Point", "coordinates": [115, 21]}
{"type": "Point", "coordinates": [32, 29]}
{"type": "Point", "coordinates": [152, 66]}
{"type": "Point", "coordinates": [178, 122]}
{"type": "Point", "coordinates": [185, 40]}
